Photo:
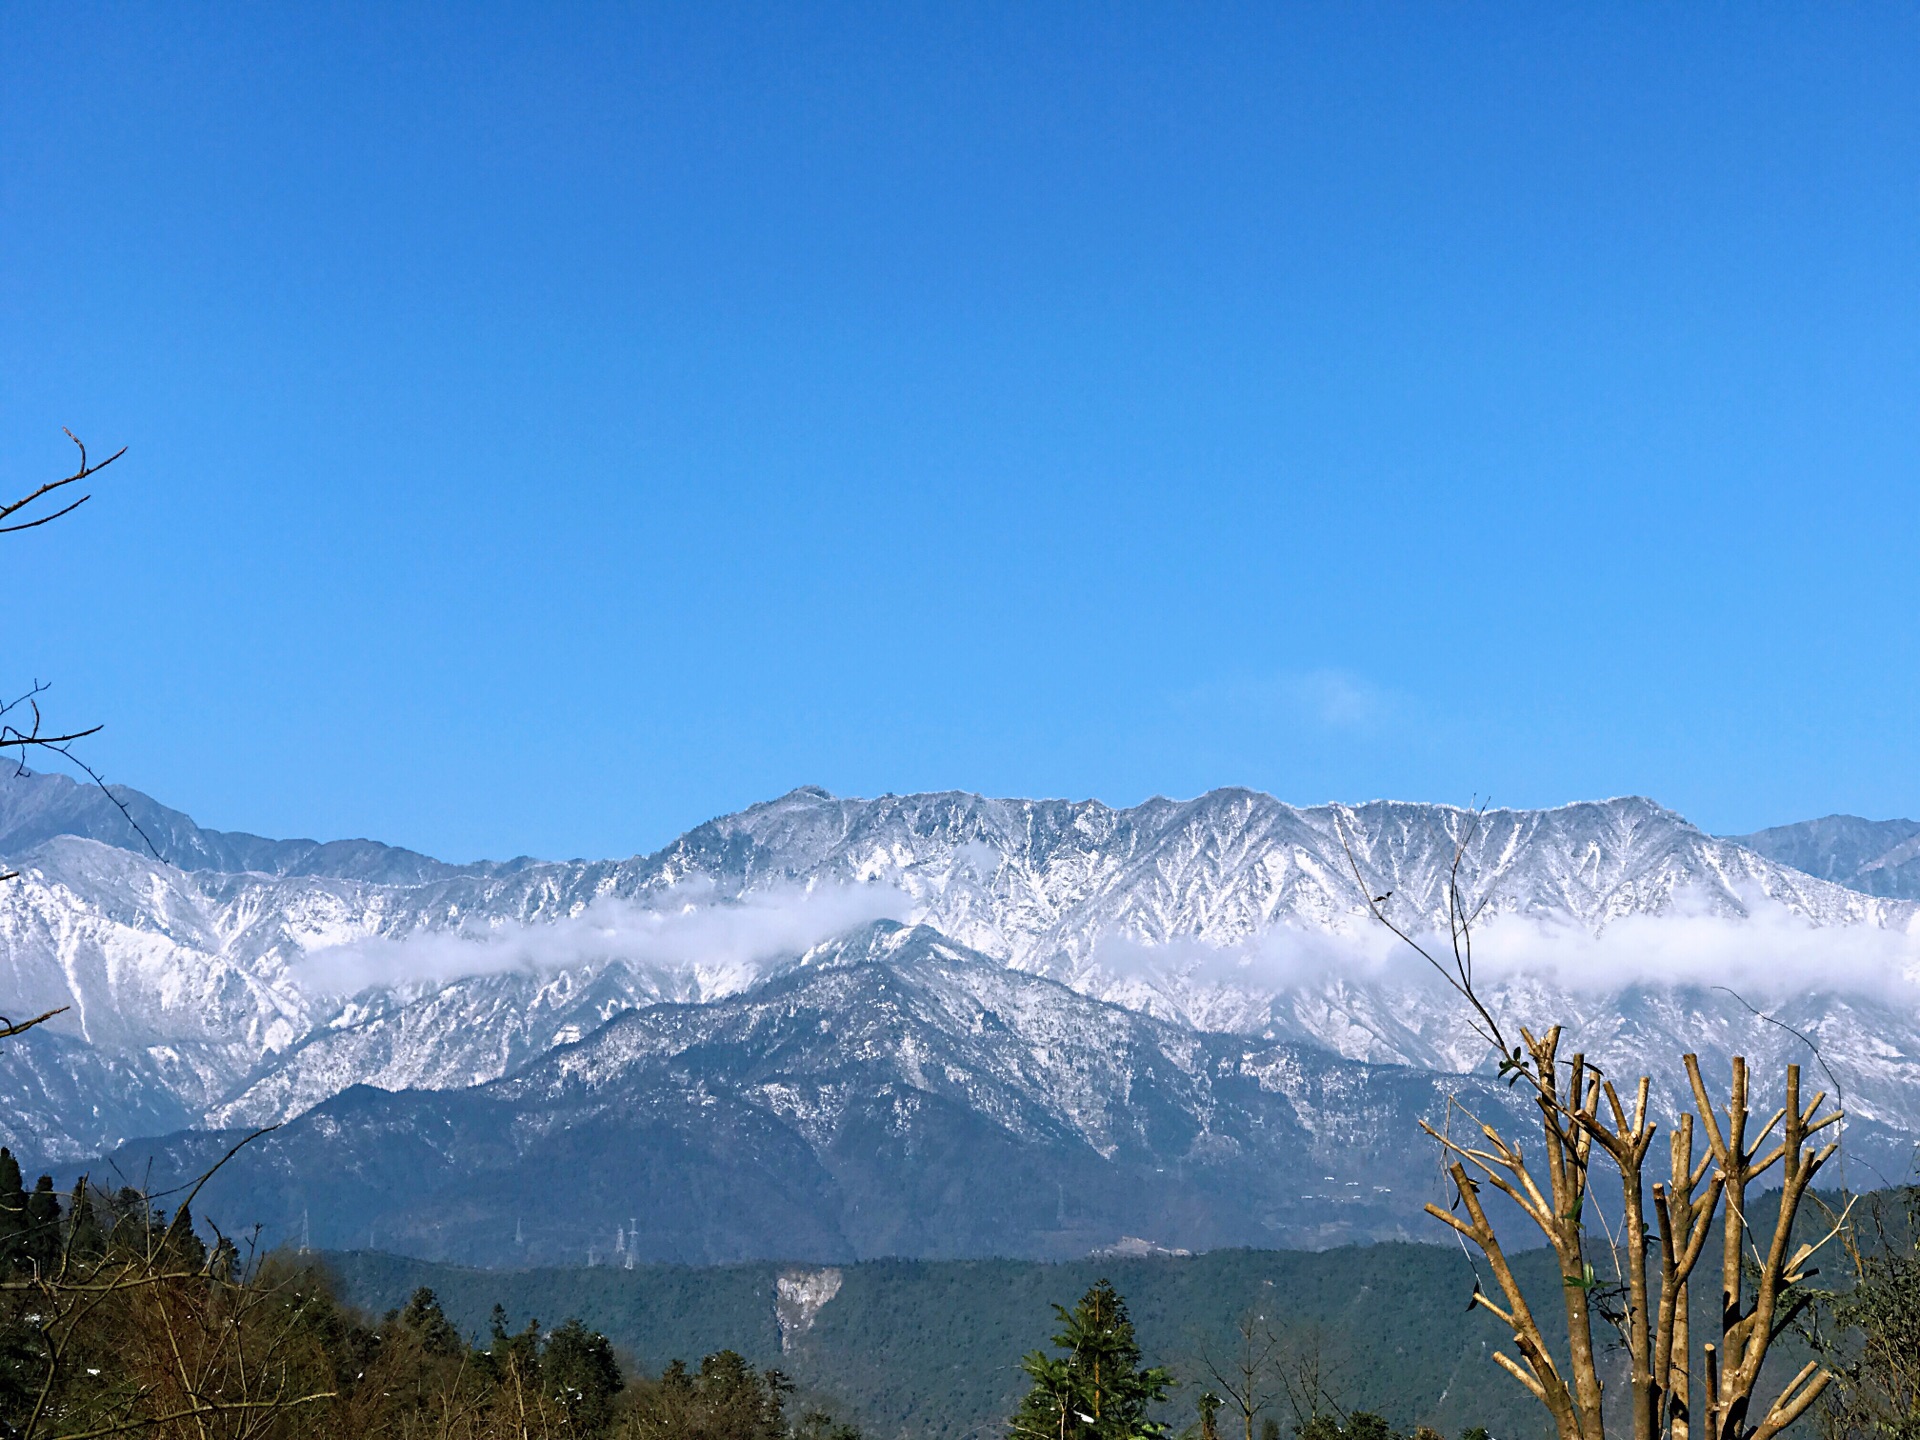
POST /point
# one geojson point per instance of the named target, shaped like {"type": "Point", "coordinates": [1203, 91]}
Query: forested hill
{"type": "Point", "coordinates": [930, 1348]}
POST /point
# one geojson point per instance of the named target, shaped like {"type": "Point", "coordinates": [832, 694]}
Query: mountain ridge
{"type": "Point", "coordinates": [1861, 854]}
{"type": "Point", "coordinates": [59, 805]}
{"type": "Point", "coordinates": [892, 1094]}
{"type": "Point", "coordinates": [204, 1000]}
{"type": "Point", "coordinates": [1878, 857]}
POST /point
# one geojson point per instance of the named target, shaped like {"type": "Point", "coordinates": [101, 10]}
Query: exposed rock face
{"type": "Point", "coordinates": [798, 1296]}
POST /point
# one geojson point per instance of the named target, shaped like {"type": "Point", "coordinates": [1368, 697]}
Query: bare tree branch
{"type": "Point", "coordinates": [1760, 1291]}
{"type": "Point", "coordinates": [22, 740]}
{"type": "Point", "coordinates": [10, 1028]}
{"type": "Point", "coordinates": [12, 508]}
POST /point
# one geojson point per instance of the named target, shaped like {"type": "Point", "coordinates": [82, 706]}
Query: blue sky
{"type": "Point", "coordinates": [553, 426]}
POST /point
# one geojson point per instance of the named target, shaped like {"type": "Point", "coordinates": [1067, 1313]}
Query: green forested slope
{"type": "Point", "coordinates": [930, 1348]}
{"type": "Point", "coordinates": [913, 1349]}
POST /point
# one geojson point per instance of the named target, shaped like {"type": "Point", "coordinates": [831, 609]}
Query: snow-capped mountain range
{"type": "Point", "coordinates": [256, 981]}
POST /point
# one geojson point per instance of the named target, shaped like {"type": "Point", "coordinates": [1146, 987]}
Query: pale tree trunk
{"type": "Point", "coordinates": [1656, 1328]}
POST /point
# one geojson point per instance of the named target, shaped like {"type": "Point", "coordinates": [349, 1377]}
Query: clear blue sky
{"type": "Point", "coordinates": [552, 426]}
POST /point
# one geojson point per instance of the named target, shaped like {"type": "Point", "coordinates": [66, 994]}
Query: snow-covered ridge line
{"type": "Point", "coordinates": [208, 995]}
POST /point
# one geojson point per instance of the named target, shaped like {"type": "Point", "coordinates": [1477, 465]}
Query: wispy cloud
{"type": "Point", "coordinates": [688, 929]}
{"type": "Point", "coordinates": [1770, 953]}
{"type": "Point", "coordinates": [1338, 700]}
{"type": "Point", "coordinates": [1328, 699]}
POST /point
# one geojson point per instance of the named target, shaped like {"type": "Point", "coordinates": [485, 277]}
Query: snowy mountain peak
{"type": "Point", "coordinates": [259, 978]}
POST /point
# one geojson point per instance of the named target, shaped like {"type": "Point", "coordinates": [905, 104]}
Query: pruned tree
{"type": "Point", "coordinates": [1663, 1238]}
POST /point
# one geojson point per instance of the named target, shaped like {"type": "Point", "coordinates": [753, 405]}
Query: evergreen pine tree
{"type": "Point", "coordinates": [225, 1264]}
{"type": "Point", "coordinates": [740, 1402]}
{"type": "Point", "coordinates": [727, 1399]}
{"type": "Point", "coordinates": [85, 1239]}
{"type": "Point", "coordinates": [184, 1249]}
{"type": "Point", "coordinates": [1209, 1405]}
{"type": "Point", "coordinates": [1360, 1425]}
{"type": "Point", "coordinates": [43, 1227]}
{"type": "Point", "coordinates": [515, 1354]}
{"type": "Point", "coordinates": [819, 1425]}
{"type": "Point", "coordinates": [577, 1369]}
{"type": "Point", "coordinates": [427, 1320]}
{"type": "Point", "coordinates": [1098, 1390]}
{"type": "Point", "coordinates": [13, 1213]}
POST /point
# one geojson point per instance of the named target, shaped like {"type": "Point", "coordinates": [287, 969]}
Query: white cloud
{"type": "Point", "coordinates": [1330, 699]}
{"type": "Point", "coordinates": [1771, 952]}
{"type": "Point", "coordinates": [1336, 699]}
{"type": "Point", "coordinates": [688, 929]}
{"type": "Point", "coordinates": [1281, 958]}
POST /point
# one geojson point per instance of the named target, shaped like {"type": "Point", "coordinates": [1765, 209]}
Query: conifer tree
{"type": "Point", "coordinates": [42, 1245]}
{"type": "Point", "coordinates": [517, 1355]}
{"type": "Point", "coordinates": [1099, 1390]}
{"type": "Point", "coordinates": [184, 1249]}
{"type": "Point", "coordinates": [1209, 1405]}
{"type": "Point", "coordinates": [819, 1425]}
{"type": "Point", "coordinates": [424, 1317]}
{"type": "Point", "coordinates": [85, 1239]}
{"type": "Point", "coordinates": [579, 1371]}
{"type": "Point", "coordinates": [13, 1212]}
{"type": "Point", "coordinates": [726, 1399]}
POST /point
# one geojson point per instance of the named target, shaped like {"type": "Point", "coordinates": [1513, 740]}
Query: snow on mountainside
{"type": "Point", "coordinates": [50, 805]}
{"type": "Point", "coordinates": [890, 1094]}
{"type": "Point", "coordinates": [893, 1094]}
{"type": "Point", "coordinates": [1880, 857]}
{"type": "Point", "coordinates": [215, 995]}
{"type": "Point", "coordinates": [1044, 884]}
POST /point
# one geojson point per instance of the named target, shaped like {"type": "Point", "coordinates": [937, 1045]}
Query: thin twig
{"type": "Point", "coordinates": [12, 737]}
{"type": "Point", "coordinates": [14, 507]}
